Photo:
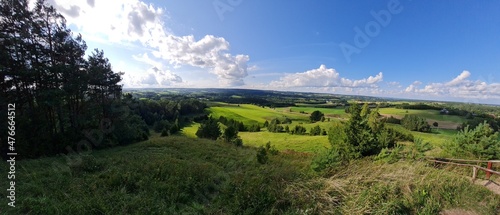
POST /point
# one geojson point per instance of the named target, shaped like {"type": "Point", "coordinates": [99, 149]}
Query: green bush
{"type": "Point", "coordinates": [316, 116]}
{"type": "Point", "coordinates": [299, 130]}
{"type": "Point", "coordinates": [209, 129]}
{"type": "Point", "coordinates": [316, 130]}
{"type": "Point", "coordinates": [415, 123]}
{"type": "Point", "coordinates": [478, 143]}
{"type": "Point", "coordinates": [262, 155]}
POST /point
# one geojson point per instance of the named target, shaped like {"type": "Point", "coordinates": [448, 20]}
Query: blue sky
{"type": "Point", "coordinates": [443, 50]}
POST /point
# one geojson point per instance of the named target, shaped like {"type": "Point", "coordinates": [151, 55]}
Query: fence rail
{"type": "Point", "coordinates": [475, 168]}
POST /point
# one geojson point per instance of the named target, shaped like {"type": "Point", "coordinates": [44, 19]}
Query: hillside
{"type": "Point", "coordinates": [174, 175]}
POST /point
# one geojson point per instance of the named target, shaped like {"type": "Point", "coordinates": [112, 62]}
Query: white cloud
{"type": "Point", "coordinates": [209, 52]}
{"type": "Point", "coordinates": [459, 88]}
{"type": "Point", "coordinates": [324, 77]}
{"type": "Point", "coordinates": [114, 21]}
{"type": "Point", "coordinates": [144, 58]}
{"type": "Point", "coordinates": [135, 22]}
{"type": "Point", "coordinates": [153, 78]}
{"type": "Point", "coordinates": [459, 79]}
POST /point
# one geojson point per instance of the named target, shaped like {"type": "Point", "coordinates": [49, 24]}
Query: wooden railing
{"type": "Point", "coordinates": [475, 167]}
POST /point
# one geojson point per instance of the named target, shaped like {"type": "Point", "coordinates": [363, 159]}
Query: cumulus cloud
{"type": "Point", "coordinates": [154, 77]}
{"type": "Point", "coordinates": [459, 79]}
{"type": "Point", "coordinates": [209, 52]}
{"type": "Point", "coordinates": [459, 87]}
{"type": "Point", "coordinates": [325, 77]}
{"type": "Point", "coordinates": [131, 21]}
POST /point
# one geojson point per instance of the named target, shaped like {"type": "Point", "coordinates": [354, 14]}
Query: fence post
{"type": "Point", "coordinates": [488, 174]}
{"type": "Point", "coordinates": [474, 173]}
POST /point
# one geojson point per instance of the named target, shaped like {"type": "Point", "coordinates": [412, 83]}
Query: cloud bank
{"type": "Point", "coordinates": [135, 23]}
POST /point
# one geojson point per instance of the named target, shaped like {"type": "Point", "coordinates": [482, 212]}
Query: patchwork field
{"type": "Point", "coordinates": [251, 114]}
{"type": "Point", "coordinates": [428, 114]}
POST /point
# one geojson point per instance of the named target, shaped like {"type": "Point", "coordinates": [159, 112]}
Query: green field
{"type": "Point", "coordinates": [283, 141]}
{"type": "Point", "coordinates": [182, 175]}
{"type": "Point", "coordinates": [428, 114]}
{"type": "Point", "coordinates": [251, 114]}
{"type": "Point", "coordinates": [329, 112]}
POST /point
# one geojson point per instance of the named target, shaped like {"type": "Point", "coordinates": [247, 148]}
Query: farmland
{"type": "Point", "coordinates": [250, 114]}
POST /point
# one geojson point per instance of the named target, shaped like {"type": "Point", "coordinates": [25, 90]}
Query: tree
{"type": "Point", "coordinates": [298, 129]}
{"type": "Point", "coordinates": [209, 129]}
{"type": "Point", "coordinates": [316, 116]}
{"type": "Point", "coordinates": [230, 133]}
{"type": "Point", "coordinates": [415, 123]}
{"type": "Point", "coordinates": [361, 135]}
{"type": "Point", "coordinates": [316, 130]}
{"type": "Point", "coordinates": [481, 142]}
{"type": "Point", "coordinates": [262, 155]}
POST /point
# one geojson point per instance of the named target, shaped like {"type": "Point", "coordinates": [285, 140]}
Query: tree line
{"type": "Point", "coordinates": [62, 97]}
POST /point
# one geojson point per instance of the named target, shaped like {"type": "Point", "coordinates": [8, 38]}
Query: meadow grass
{"type": "Point", "coordinates": [164, 175]}
{"type": "Point", "coordinates": [182, 175]}
{"type": "Point", "coordinates": [404, 187]}
{"type": "Point", "coordinates": [428, 114]}
{"type": "Point", "coordinates": [284, 141]}
{"type": "Point", "coordinates": [250, 114]}
{"type": "Point", "coordinates": [329, 112]}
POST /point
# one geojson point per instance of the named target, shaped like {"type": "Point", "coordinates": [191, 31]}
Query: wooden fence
{"type": "Point", "coordinates": [467, 163]}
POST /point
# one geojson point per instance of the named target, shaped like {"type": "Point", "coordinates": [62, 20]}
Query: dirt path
{"type": "Point", "coordinates": [490, 185]}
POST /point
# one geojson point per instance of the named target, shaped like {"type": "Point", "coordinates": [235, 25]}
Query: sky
{"type": "Point", "coordinates": [437, 50]}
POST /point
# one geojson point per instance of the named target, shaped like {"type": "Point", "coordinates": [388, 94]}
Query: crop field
{"type": "Point", "coordinates": [329, 112]}
{"type": "Point", "coordinates": [428, 114]}
{"type": "Point", "coordinates": [284, 141]}
{"type": "Point", "coordinates": [251, 114]}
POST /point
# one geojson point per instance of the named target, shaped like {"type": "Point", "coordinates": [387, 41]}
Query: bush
{"type": "Point", "coordinates": [209, 129]}
{"type": "Point", "coordinates": [271, 149]}
{"type": "Point", "coordinates": [478, 143]}
{"type": "Point", "coordinates": [330, 158]}
{"type": "Point", "coordinates": [392, 120]}
{"type": "Point", "coordinates": [165, 133]}
{"type": "Point", "coordinates": [300, 130]}
{"type": "Point", "coordinates": [230, 133]}
{"type": "Point", "coordinates": [237, 142]}
{"type": "Point", "coordinates": [415, 123]}
{"type": "Point", "coordinates": [362, 135]}
{"type": "Point", "coordinates": [316, 116]}
{"type": "Point", "coordinates": [159, 126]}
{"type": "Point", "coordinates": [316, 130]}
{"type": "Point", "coordinates": [262, 155]}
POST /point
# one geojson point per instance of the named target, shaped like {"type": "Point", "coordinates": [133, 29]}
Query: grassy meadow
{"type": "Point", "coordinates": [305, 143]}
{"type": "Point", "coordinates": [183, 175]}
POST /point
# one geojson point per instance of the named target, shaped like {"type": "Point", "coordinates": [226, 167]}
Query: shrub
{"type": "Point", "coordinates": [316, 130]}
{"type": "Point", "coordinates": [209, 129]}
{"type": "Point", "coordinates": [159, 126]}
{"type": "Point", "coordinates": [392, 120]}
{"type": "Point", "coordinates": [271, 149]}
{"type": "Point", "coordinates": [230, 133]}
{"type": "Point", "coordinates": [479, 143]}
{"type": "Point", "coordinates": [415, 123]}
{"type": "Point", "coordinates": [316, 116]}
{"type": "Point", "coordinates": [326, 159]}
{"type": "Point", "coordinates": [262, 155]}
{"type": "Point", "coordinates": [300, 130]}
